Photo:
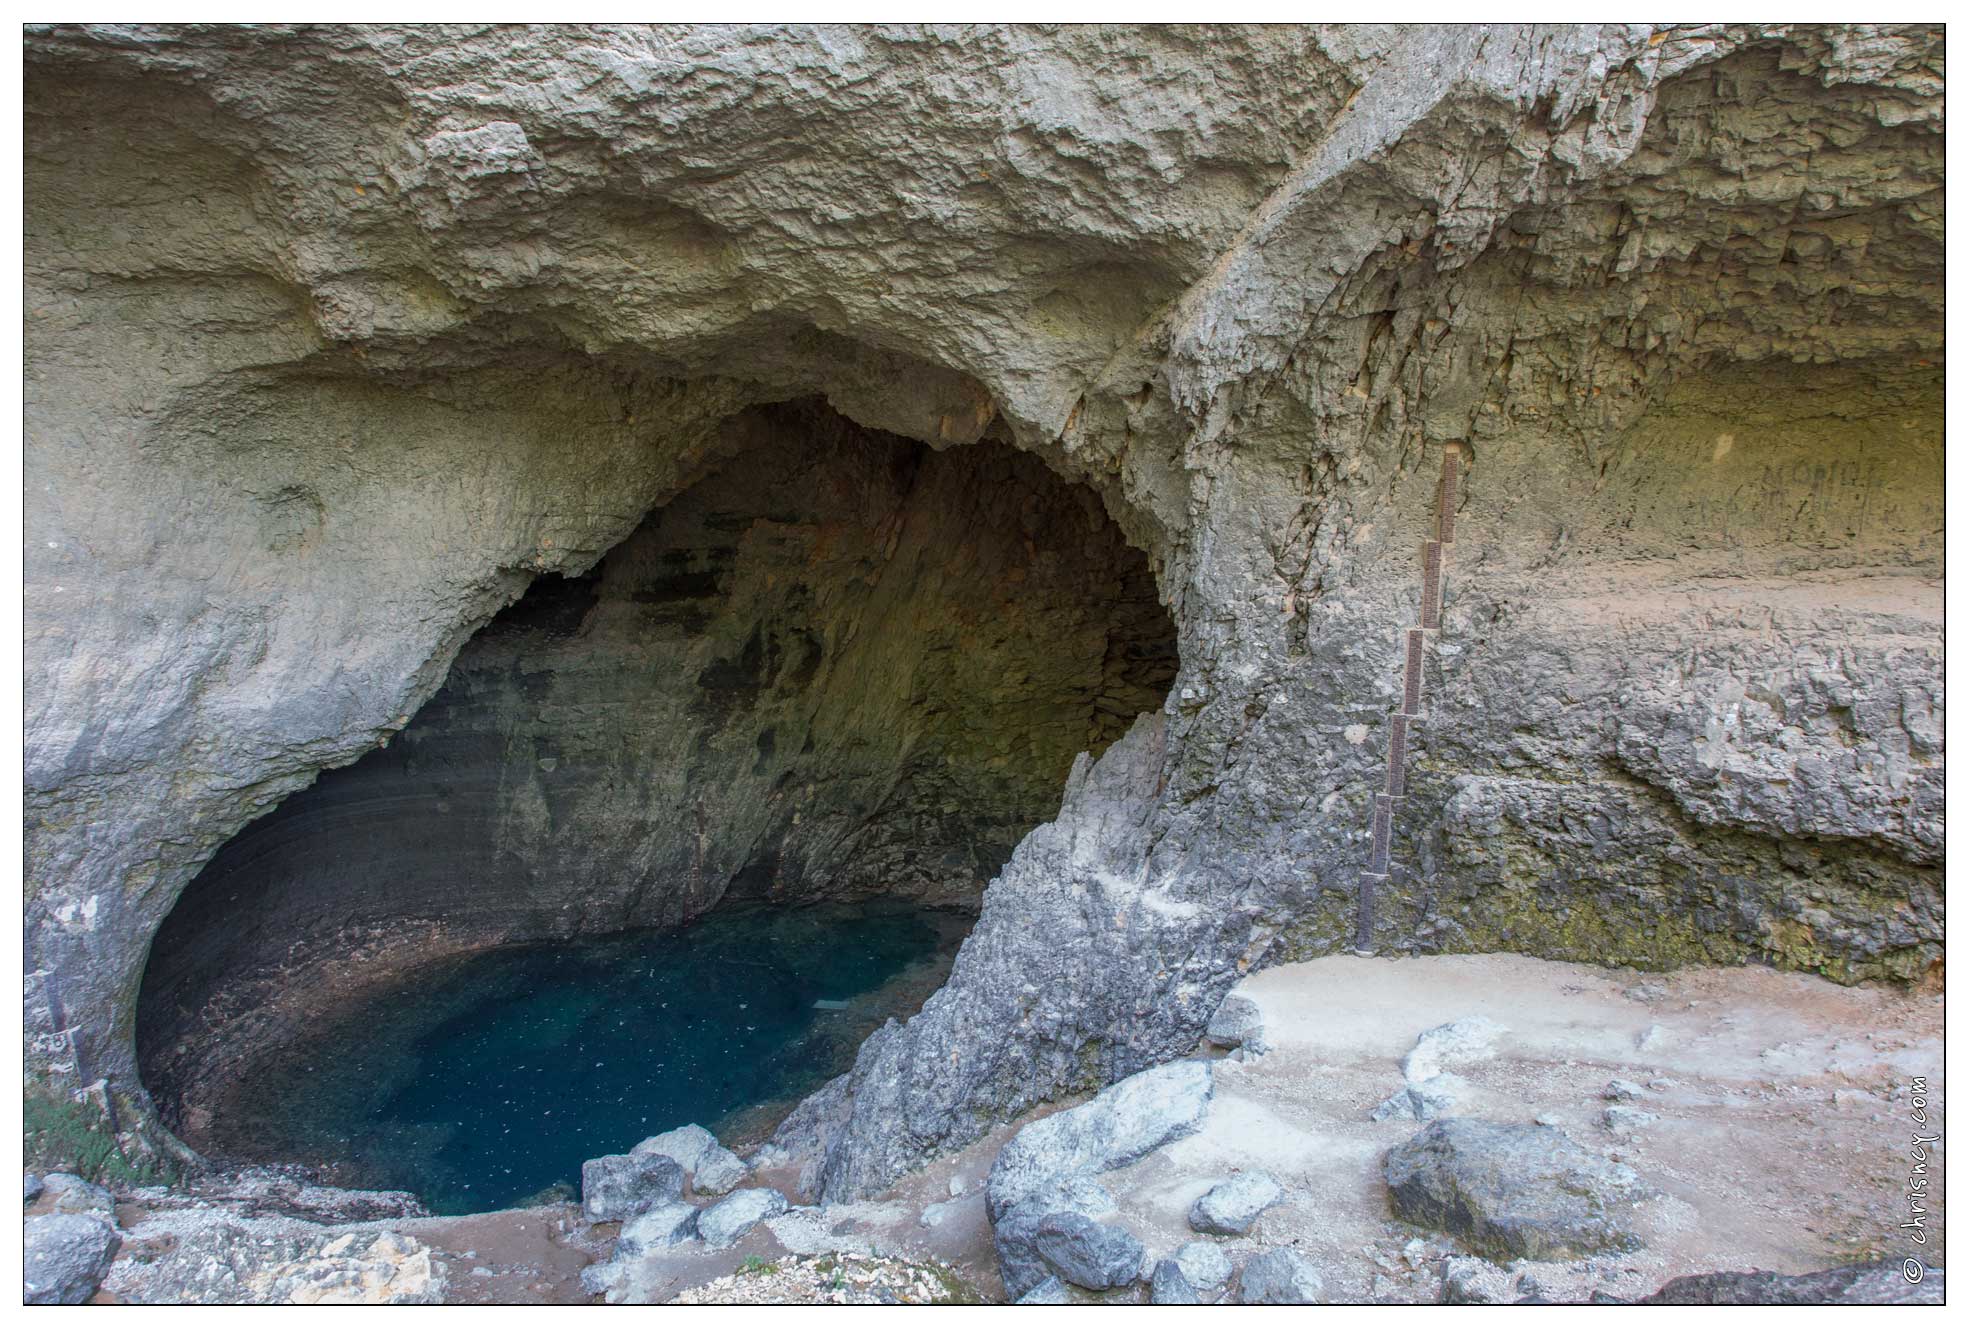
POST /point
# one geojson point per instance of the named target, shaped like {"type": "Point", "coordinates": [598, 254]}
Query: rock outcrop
{"type": "Point", "coordinates": [337, 338]}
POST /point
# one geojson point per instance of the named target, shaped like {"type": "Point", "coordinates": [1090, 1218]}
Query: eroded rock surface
{"type": "Point", "coordinates": [338, 337]}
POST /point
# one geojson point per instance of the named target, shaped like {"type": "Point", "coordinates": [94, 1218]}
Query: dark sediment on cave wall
{"type": "Point", "coordinates": [844, 666]}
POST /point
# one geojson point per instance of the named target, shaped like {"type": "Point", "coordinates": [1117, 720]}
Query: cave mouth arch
{"type": "Point", "coordinates": [842, 672]}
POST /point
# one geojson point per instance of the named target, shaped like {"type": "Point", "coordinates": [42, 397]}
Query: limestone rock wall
{"type": "Point", "coordinates": [338, 336]}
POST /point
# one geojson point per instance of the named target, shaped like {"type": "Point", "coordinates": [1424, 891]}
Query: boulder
{"type": "Point", "coordinates": [1280, 1277]}
{"type": "Point", "coordinates": [1238, 1022]}
{"type": "Point", "coordinates": [64, 1257]}
{"type": "Point", "coordinates": [1119, 1125]}
{"type": "Point", "coordinates": [1229, 1208]}
{"type": "Point", "coordinates": [1204, 1265]}
{"type": "Point", "coordinates": [1168, 1287]}
{"type": "Point", "coordinates": [737, 1214]}
{"type": "Point", "coordinates": [1016, 1234]}
{"type": "Point", "coordinates": [1086, 1252]}
{"type": "Point", "coordinates": [1513, 1191]}
{"type": "Point", "coordinates": [31, 1187]}
{"type": "Point", "coordinates": [656, 1229]}
{"type": "Point", "coordinates": [617, 1187]}
{"type": "Point", "coordinates": [711, 1168]}
{"type": "Point", "coordinates": [72, 1195]}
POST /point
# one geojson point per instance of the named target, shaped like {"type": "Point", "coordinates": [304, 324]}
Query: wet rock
{"type": "Point", "coordinates": [1512, 1191]}
{"type": "Point", "coordinates": [1119, 1125]}
{"type": "Point", "coordinates": [1168, 1286]}
{"type": "Point", "coordinates": [1280, 1277]}
{"type": "Point", "coordinates": [657, 1229]}
{"type": "Point", "coordinates": [1049, 1291]}
{"type": "Point", "coordinates": [737, 1214]}
{"type": "Point", "coordinates": [1229, 1208]}
{"type": "Point", "coordinates": [1238, 1023]}
{"type": "Point", "coordinates": [711, 1168]}
{"type": "Point", "coordinates": [64, 1257]}
{"type": "Point", "coordinates": [1884, 1283]}
{"type": "Point", "coordinates": [616, 1187]}
{"type": "Point", "coordinates": [1204, 1265]}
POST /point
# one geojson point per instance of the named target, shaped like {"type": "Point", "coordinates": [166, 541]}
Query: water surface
{"type": "Point", "coordinates": [481, 1082]}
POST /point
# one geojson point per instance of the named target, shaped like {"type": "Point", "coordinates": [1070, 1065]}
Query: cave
{"type": "Point", "coordinates": [607, 529]}
{"type": "Point", "coordinates": [800, 717]}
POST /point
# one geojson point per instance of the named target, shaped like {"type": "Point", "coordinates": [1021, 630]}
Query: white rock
{"type": "Point", "coordinates": [737, 1214]}
{"type": "Point", "coordinates": [712, 1168]}
{"type": "Point", "coordinates": [1455, 1044]}
{"type": "Point", "coordinates": [1119, 1125]}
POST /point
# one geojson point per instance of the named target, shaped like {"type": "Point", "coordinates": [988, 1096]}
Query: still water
{"type": "Point", "coordinates": [483, 1082]}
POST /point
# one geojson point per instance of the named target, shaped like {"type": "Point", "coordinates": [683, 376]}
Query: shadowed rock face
{"type": "Point", "coordinates": [339, 338]}
{"type": "Point", "coordinates": [843, 666]}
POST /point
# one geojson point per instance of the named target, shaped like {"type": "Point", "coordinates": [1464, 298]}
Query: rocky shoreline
{"type": "Point", "coordinates": [1564, 1154]}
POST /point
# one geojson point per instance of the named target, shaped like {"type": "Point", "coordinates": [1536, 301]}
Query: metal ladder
{"type": "Point", "coordinates": [1435, 554]}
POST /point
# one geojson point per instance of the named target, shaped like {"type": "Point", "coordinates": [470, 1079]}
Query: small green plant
{"type": "Point", "coordinates": [754, 1265]}
{"type": "Point", "coordinates": [60, 1134]}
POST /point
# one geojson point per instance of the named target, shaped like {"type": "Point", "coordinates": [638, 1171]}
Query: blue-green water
{"type": "Point", "coordinates": [482, 1082]}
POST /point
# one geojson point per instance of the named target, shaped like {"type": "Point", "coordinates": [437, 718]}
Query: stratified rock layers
{"type": "Point", "coordinates": [338, 337]}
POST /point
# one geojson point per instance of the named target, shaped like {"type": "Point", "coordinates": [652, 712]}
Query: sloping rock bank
{"type": "Point", "coordinates": [339, 337]}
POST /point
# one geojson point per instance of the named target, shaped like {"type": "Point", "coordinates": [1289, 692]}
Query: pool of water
{"type": "Point", "coordinates": [482, 1082]}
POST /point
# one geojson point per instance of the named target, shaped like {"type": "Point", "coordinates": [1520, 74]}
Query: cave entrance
{"type": "Point", "coordinates": [752, 771]}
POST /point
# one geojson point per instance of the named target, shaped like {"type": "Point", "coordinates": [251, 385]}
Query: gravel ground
{"type": "Point", "coordinates": [831, 1280]}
